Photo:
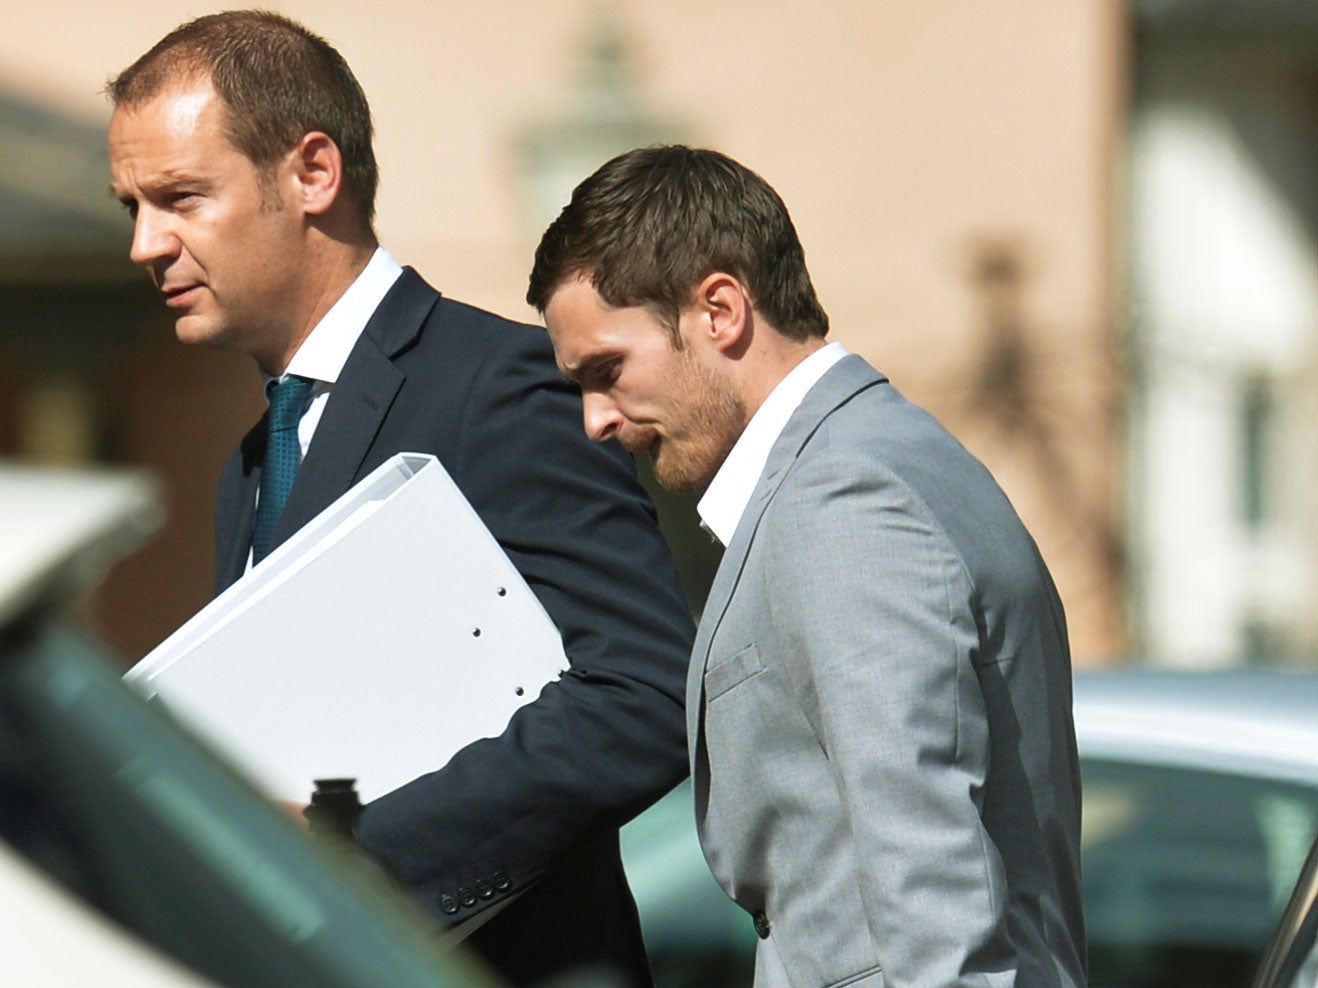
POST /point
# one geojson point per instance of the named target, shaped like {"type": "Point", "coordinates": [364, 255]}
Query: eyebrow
{"type": "Point", "coordinates": [588, 365]}
{"type": "Point", "coordinates": [165, 181]}
{"type": "Point", "coordinates": [572, 375]}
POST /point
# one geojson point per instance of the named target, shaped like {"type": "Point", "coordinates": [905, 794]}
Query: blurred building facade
{"type": "Point", "coordinates": [1223, 319]}
{"type": "Point", "coordinates": [977, 188]}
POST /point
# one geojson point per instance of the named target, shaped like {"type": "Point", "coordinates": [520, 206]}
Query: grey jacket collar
{"type": "Point", "coordinates": [846, 379]}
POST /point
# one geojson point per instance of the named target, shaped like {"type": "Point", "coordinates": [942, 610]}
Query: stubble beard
{"type": "Point", "coordinates": [714, 416]}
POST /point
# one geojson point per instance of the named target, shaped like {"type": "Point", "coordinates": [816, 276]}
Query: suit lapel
{"type": "Point", "coordinates": [847, 378]}
{"type": "Point", "coordinates": [358, 403]}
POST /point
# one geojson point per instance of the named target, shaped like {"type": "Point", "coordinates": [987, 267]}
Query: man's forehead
{"type": "Point", "coordinates": [574, 319]}
{"type": "Point", "coordinates": [183, 112]}
{"type": "Point", "coordinates": [180, 132]}
{"type": "Point", "coordinates": [574, 285]}
{"type": "Point", "coordinates": [181, 102]}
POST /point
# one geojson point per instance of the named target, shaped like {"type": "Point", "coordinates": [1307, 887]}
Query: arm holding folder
{"type": "Point", "coordinates": [541, 802]}
{"type": "Point", "coordinates": [252, 212]}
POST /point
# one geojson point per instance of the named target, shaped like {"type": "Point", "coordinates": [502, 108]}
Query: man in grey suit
{"type": "Point", "coordinates": [879, 702]}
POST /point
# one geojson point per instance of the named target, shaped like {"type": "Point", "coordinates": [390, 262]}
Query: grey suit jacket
{"type": "Point", "coordinates": [879, 713]}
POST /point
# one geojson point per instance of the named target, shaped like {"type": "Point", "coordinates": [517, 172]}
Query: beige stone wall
{"type": "Point", "coordinates": [907, 138]}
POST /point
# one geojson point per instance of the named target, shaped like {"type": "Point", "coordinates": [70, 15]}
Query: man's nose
{"type": "Point", "coordinates": [600, 416]}
{"type": "Point", "coordinates": [152, 238]}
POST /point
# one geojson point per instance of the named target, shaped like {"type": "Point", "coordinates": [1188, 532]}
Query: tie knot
{"type": "Point", "coordinates": [288, 400]}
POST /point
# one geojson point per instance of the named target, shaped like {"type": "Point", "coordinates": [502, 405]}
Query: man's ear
{"type": "Point", "coordinates": [317, 166]}
{"type": "Point", "coordinates": [724, 310]}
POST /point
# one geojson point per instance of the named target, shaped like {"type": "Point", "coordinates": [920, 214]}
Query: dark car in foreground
{"type": "Point", "coordinates": [129, 855]}
{"type": "Point", "coordinates": [1200, 805]}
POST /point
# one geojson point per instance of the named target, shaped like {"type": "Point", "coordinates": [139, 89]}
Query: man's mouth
{"type": "Point", "coordinates": [181, 296]}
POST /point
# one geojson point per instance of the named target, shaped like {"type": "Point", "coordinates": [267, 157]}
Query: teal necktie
{"type": "Point", "coordinates": [283, 453]}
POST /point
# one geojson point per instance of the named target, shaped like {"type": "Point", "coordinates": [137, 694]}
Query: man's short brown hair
{"type": "Point", "coordinates": [278, 82]}
{"type": "Point", "coordinates": [651, 224]}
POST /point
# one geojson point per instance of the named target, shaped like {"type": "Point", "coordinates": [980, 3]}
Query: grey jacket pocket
{"type": "Point", "coordinates": [732, 671]}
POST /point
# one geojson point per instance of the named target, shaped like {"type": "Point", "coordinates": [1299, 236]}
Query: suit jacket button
{"type": "Point", "coordinates": [761, 924]}
{"type": "Point", "coordinates": [466, 896]}
{"type": "Point", "coordinates": [484, 889]}
{"type": "Point", "coordinates": [448, 903]}
{"type": "Point", "coordinates": [502, 883]}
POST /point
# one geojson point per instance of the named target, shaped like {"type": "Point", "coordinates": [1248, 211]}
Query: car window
{"type": "Point", "coordinates": [694, 934]}
{"type": "Point", "coordinates": [1186, 872]}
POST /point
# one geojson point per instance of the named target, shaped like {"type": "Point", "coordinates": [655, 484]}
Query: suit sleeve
{"type": "Point", "coordinates": [601, 744]}
{"type": "Point", "coordinates": [880, 633]}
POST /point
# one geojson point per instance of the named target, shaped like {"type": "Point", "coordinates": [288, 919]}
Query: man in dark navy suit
{"type": "Point", "coordinates": [241, 146]}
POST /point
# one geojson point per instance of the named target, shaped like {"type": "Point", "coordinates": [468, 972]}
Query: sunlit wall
{"type": "Point", "coordinates": [951, 167]}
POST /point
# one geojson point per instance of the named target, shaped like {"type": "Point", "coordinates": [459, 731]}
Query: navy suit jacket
{"type": "Point", "coordinates": [540, 805]}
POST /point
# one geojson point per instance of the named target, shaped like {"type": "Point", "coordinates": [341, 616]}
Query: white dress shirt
{"type": "Point", "coordinates": [323, 353]}
{"type": "Point", "coordinates": [725, 501]}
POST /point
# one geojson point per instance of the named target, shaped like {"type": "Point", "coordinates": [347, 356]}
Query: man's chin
{"type": "Point", "coordinates": [678, 478]}
{"type": "Point", "coordinates": [198, 331]}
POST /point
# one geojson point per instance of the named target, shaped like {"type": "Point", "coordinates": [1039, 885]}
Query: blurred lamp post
{"type": "Point", "coordinates": [604, 117]}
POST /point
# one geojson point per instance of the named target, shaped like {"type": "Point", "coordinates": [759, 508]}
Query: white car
{"type": "Point", "coordinates": [1201, 803]}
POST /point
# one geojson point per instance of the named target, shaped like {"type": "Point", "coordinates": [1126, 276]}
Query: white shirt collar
{"type": "Point", "coordinates": [324, 352]}
{"type": "Point", "coordinates": [725, 501]}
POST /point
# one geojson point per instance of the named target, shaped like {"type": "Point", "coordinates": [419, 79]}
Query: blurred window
{"type": "Point", "coordinates": [1257, 417]}
{"type": "Point", "coordinates": [1187, 872]}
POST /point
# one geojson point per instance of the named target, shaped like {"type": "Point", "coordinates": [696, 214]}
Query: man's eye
{"type": "Point", "coordinates": [130, 207]}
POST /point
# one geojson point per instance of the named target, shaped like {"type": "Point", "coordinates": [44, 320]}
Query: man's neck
{"type": "Point", "coordinates": [775, 361]}
{"type": "Point", "coordinates": [330, 269]}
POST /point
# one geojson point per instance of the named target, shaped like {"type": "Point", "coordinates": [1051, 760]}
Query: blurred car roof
{"type": "Point", "coordinates": [62, 529]}
{"type": "Point", "coordinates": [1252, 721]}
